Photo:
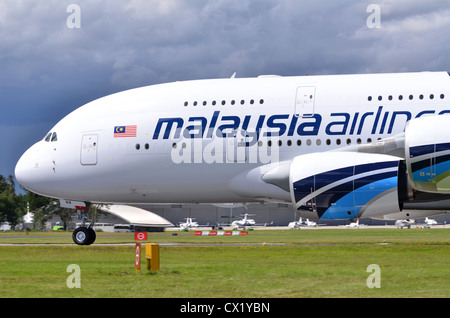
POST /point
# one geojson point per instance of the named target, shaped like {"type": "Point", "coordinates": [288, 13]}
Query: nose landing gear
{"type": "Point", "coordinates": [84, 235]}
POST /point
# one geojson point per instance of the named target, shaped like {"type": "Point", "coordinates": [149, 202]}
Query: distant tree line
{"type": "Point", "coordinates": [13, 206]}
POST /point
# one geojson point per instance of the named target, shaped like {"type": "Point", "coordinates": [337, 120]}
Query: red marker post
{"type": "Point", "coordinates": [137, 257]}
{"type": "Point", "coordinates": [138, 236]}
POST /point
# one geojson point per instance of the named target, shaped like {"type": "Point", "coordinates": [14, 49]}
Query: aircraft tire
{"type": "Point", "coordinates": [83, 236]}
{"type": "Point", "coordinates": [93, 236]}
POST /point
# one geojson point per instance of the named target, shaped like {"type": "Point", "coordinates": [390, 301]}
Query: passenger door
{"type": "Point", "coordinates": [89, 145]}
{"type": "Point", "coordinates": [304, 101]}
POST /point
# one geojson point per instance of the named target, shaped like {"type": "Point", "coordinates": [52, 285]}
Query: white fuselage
{"type": "Point", "coordinates": [310, 114]}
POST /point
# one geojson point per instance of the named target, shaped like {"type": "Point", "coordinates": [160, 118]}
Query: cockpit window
{"type": "Point", "coordinates": [51, 137]}
{"type": "Point", "coordinates": [47, 138]}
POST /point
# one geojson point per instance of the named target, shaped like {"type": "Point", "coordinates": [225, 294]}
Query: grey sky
{"type": "Point", "coordinates": [48, 69]}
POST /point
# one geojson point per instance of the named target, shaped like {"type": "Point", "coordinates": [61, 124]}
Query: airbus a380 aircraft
{"type": "Point", "coordinates": [335, 147]}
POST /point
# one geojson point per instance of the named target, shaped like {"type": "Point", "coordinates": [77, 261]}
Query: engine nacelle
{"type": "Point", "coordinates": [427, 153]}
{"type": "Point", "coordinates": [344, 185]}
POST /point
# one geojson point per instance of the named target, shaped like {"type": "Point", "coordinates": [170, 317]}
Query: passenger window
{"type": "Point", "coordinates": [54, 137]}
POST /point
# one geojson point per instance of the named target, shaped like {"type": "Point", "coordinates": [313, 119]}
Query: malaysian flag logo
{"type": "Point", "coordinates": [125, 131]}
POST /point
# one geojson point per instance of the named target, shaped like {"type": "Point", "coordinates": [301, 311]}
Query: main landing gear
{"type": "Point", "coordinates": [85, 234]}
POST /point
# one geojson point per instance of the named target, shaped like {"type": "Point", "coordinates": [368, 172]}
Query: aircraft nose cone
{"type": "Point", "coordinates": [27, 167]}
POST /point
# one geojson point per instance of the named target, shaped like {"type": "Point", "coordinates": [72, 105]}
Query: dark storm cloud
{"type": "Point", "coordinates": [49, 69]}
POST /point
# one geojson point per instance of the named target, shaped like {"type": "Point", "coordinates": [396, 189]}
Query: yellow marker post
{"type": "Point", "coordinates": [152, 256]}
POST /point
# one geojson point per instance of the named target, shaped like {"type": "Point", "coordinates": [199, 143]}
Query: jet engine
{"type": "Point", "coordinates": [408, 172]}
{"type": "Point", "coordinates": [344, 185]}
{"type": "Point", "coordinates": [427, 154]}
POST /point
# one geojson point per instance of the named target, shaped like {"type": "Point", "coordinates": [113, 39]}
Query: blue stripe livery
{"type": "Point", "coordinates": [351, 189]}
{"type": "Point", "coordinates": [435, 162]}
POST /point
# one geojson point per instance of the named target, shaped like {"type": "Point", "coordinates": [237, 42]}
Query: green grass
{"type": "Point", "coordinates": [307, 263]}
